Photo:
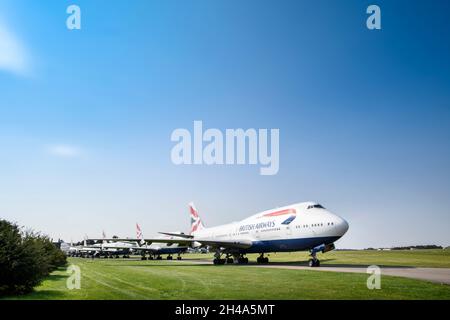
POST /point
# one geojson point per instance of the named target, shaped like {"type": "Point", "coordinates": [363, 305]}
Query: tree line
{"type": "Point", "coordinates": [26, 258]}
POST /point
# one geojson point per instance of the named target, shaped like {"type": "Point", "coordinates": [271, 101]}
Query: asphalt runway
{"type": "Point", "coordinates": [438, 275]}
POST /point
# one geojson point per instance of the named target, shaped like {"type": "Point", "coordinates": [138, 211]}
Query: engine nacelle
{"type": "Point", "coordinates": [196, 245]}
{"type": "Point", "coordinates": [323, 248]}
{"type": "Point", "coordinates": [329, 247]}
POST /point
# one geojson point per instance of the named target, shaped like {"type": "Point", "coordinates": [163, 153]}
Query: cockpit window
{"type": "Point", "coordinates": [317, 206]}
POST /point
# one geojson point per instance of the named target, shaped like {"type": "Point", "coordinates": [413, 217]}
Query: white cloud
{"type": "Point", "coordinates": [64, 151]}
{"type": "Point", "coordinates": [13, 56]}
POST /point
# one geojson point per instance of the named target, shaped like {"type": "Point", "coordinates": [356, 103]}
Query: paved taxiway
{"type": "Point", "coordinates": [438, 275]}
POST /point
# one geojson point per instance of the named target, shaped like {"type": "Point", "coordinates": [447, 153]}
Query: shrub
{"type": "Point", "coordinates": [25, 259]}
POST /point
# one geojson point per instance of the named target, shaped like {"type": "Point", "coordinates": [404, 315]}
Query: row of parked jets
{"type": "Point", "coordinates": [114, 248]}
{"type": "Point", "coordinates": [305, 226]}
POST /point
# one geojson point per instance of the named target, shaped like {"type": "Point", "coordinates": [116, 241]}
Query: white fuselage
{"type": "Point", "coordinates": [297, 227]}
{"type": "Point", "coordinates": [165, 248]}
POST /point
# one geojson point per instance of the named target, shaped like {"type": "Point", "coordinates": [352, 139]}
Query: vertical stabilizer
{"type": "Point", "coordinates": [196, 222]}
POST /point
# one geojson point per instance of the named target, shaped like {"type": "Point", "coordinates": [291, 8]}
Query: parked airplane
{"type": "Point", "coordinates": [85, 250]}
{"type": "Point", "coordinates": [298, 227]}
{"type": "Point", "coordinates": [139, 245]}
{"type": "Point", "coordinates": [103, 249]}
{"type": "Point", "coordinates": [117, 248]}
{"type": "Point", "coordinates": [155, 250]}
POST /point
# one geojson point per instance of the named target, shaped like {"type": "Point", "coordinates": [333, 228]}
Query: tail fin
{"type": "Point", "coordinates": [196, 222]}
{"type": "Point", "coordinates": [104, 236]}
{"type": "Point", "coordinates": [139, 234]}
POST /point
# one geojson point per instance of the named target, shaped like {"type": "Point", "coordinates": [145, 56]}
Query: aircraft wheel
{"type": "Point", "coordinates": [230, 260]}
{"type": "Point", "coordinates": [159, 258]}
{"type": "Point", "coordinates": [216, 261]}
{"type": "Point", "coordinates": [314, 263]}
{"type": "Point", "coordinates": [178, 258]}
{"type": "Point", "coordinates": [265, 260]}
{"type": "Point", "coordinates": [169, 257]}
{"type": "Point", "coordinates": [242, 260]}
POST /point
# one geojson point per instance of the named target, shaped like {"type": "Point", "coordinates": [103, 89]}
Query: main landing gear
{"type": "Point", "coordinates": [217, 261]}
{"type": "Point", "coordinates": [314, 262]}
{"type": "Point", "coordinates": [229, 259]}
{"type": "Point", "coordinates": [217, 258]}
{"type": "Point", "coordinates": [262, 259]}
{"type": "Point", "coordinates": [242, 260]}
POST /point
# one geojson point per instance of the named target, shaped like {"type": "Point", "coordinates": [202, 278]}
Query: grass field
{"type": "Point", "coordinates": [135, 279]}
{"type": "Point", "coordinates": [413, 258]}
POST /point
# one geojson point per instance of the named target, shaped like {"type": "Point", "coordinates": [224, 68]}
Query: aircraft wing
{"type": "Point", "coordinates": [115, 240]}
{"type": "Point", "coordinates": [237, 244]}
{"type": "Point", "coordinates": [229, 244]}
{"type": "Point", "coordinates": [181, 235]}
{"type": "Point", "coordinates": [117, 247]}
{"type": "Point", "coordinates": [183, 242]}
{"type": "Point", "coordinates": [143, 248]}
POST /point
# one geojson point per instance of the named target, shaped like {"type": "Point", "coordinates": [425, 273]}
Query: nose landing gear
{"type": "Point", "coordinates": [314, 262]}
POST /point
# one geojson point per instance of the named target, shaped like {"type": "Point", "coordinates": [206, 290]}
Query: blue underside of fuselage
{"type": "Point", "coordinates": [286, 245]}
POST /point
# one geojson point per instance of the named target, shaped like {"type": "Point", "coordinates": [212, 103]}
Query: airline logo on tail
{"type": "Point", "coordinates": [196, 222]}
{"type": "Point", "coordinates": [139, 234]}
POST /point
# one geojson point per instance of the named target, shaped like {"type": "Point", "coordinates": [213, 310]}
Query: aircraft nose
{"type": "Point", "coordinates": [341, 226]}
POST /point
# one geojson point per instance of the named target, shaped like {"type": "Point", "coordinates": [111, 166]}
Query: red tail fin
{"type": "Point", "coordinates": [196, 222]}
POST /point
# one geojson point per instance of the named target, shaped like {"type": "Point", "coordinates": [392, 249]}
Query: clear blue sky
{"type": "Point", "coordinates": [364, 116]}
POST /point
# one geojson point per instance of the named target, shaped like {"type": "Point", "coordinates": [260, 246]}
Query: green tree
{"type": "Point", "coordinates": [26, 258]}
